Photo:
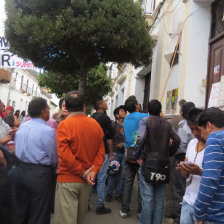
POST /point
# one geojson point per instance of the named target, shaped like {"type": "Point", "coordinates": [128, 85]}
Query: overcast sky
{"type": "Point", "coordinates": [2, 17]}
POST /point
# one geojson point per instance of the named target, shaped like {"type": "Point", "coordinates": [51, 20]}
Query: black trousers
{"type": "Point", "coordinates": [130, 171]}
{"type": "Point", "coordinates": [33, 191]}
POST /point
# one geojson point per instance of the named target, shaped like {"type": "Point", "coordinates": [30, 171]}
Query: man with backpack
{"type": "Point", "coordinates": [131, 126]}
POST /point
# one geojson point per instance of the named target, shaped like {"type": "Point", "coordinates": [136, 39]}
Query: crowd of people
{"type": "Point", "coordinates": [53, 165]}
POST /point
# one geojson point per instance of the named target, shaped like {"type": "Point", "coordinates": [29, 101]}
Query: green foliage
{"type": "Point", "coordinates": [74, 38]}
{"type": "Point", "coordinates": [98, 83]}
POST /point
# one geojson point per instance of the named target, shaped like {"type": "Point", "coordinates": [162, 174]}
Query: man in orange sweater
{"type": "Point", "coordinates": [80, 156]}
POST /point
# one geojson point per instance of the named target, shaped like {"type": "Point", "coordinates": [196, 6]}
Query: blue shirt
{"type": "Point", "coordinates": [131, 125]}
{"type": "Point", "coordinates": [35, 143]}
{"type": "Point", "coordinates": [209, 204]}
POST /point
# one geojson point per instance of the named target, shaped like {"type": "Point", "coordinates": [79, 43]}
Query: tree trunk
{"type": "Point", "coordinates": [82, 80]}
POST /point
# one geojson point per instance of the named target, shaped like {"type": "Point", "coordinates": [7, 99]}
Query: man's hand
{"type": "Point", "coordinates": [120, 145]}
{"type": "Point", "coordinates": [112, 157]}
{"type": "Point", "coordinates": [192, 168]}
{"type": "Point", "coordinates": [6, 139]}
{"type": "Point", "coordinates": [182, 170]}
{"type": "Point", "coordinates": [139, 161]}
{"type": "Point", "coordinates": [199, 222]}
{"type": "Point", "coordinates": [12, 133]}
{"type": "Point", "coordinates": [91, 176]}
{"type": "Point", "coordinates": [86, 173]}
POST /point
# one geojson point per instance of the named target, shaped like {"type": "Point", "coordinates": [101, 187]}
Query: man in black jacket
{"type": "Point", "coordinates": [160, 142]}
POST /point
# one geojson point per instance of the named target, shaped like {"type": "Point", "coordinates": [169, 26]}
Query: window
{"type": "Point", "coordinates": [21, 85]}
{"type": "Point", "coordinates": [27, 84]}
{"type": "Point", "coordinates": [14, 104]}
{"type": "Point", "coordinates": [217, 18]}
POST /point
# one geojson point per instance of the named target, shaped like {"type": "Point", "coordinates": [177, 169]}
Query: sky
{"type": "Point", "coordinates": [2, 17]}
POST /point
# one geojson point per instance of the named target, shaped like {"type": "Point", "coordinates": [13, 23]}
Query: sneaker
{"type": "Point", "coordinates": [102, 210]}
{"type": "Point", "coordinates": [108, 198]}
{"type": "Point", "coordinates": [123, 214]}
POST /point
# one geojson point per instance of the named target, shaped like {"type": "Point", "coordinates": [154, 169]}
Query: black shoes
{"type": "Point", "coordinates": [108, 198]}
{"type": "Point", "coordinates": [102, 210]}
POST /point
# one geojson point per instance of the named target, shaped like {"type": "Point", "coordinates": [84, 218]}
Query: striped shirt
{"type": "Point", "coordinates": [209, 204]}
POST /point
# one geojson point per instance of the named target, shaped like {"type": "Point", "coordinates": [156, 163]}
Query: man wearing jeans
{"type": "Point", "coordinates": [209, 205]}
{"type": "Point", "coordinates": [156, 145]}
{"type": "Point", "coordinates": [104, 121]}
{"type": "Point", "coordinates": [115, 182]}
{"type": "Point", "coordinates": [131, 125]}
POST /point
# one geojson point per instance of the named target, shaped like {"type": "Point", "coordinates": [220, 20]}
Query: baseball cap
{"type": "Point", "coordinates": [9, 108]}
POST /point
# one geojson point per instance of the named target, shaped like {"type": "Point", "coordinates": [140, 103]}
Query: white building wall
{"type": "Point", "coordinates": [191, 69]}
{"type": "Point", "coordinates": [153, 89]}
{"type": "Point", "coordinates": [196, 68]}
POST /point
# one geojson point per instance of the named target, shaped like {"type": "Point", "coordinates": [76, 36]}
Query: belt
{"type": "Point", "coordinates": [35, 165]}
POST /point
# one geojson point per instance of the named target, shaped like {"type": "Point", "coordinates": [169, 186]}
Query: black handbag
{"type": "Point", "coordinates": [133, 153]}
{"type": "Point", "coordinates": [156, 170]}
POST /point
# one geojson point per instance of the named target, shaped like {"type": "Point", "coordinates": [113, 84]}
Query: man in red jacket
{"type": "Point", "coordinates": [80, 156]}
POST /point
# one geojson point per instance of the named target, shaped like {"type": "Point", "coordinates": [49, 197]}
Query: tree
{"type": "Point", "coordinates": [98, 83]}
{"type": "Point", "coordinates": [72, 37]}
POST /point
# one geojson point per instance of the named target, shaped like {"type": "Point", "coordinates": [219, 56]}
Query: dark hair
{"type": "Point", "coordinates": [9, 119]}
{"type": "Point", "coordinates": [213, 115]}
{"type": "Point", "coordinates": [154, 107]}
{"type": "Point", "coordinates": [74, 101]}
{"type": "Point", "coordinates": [182, 102]}
{"type": "Point", "coordinates": [36, 106]}
{"type": "Point", "coordinates": [131, 103]}
{"type": "Point", "coordinates": [97, 102]}
{"type": "Point", "coordinates": [60, 102]}
{"type": "Point", "coordinates": [117, 110]}
{"type": "Point", "coordinates": [23, 113]}
{"type": "Point", "coordinates": [186, 109]}
{"type": "Point", "coordinates": [193, 116]}
{"type": "Point", "coordinates": [17, 113]}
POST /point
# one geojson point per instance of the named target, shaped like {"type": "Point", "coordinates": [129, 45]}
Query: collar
{"type": "Point", "coordinates": [39, 120]}
{"type": "Point", "coordinates": [182, 122]}
{"type": "Point", "coordinates": [75, 113]}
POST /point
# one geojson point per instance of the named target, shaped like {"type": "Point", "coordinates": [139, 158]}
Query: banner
{"type": "Point", "coordinates": [10, 60]}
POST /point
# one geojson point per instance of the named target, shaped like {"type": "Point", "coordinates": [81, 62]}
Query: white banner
{"type": "Point", "coordinates": [10, 60]}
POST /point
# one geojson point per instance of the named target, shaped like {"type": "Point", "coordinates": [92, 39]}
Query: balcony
{"type": "Point", "coordinates": [5, 76]}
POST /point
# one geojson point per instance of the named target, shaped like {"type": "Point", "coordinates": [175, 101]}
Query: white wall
{"type": "Point", "coordinates": [188, 74]}
{"type": "Point", "coordinates": [198, 50]}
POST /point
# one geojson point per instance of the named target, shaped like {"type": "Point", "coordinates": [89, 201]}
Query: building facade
{"type": "Point", "coordinates": [188, 40]}
{"type": "Point", "coordinates": [19, 86]}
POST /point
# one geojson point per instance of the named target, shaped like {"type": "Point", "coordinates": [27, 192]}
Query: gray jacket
{"type": "Point", "coordinates": [185, 135]}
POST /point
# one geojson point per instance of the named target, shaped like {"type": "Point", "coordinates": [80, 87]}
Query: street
{"type": "Point", "coordinates": [114, 216]}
